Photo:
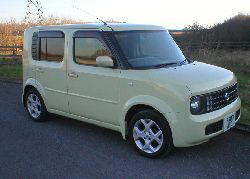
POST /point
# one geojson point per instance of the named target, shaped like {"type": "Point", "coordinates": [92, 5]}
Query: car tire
{"type": "Point", "coordinates": [35, 106]}
{"type": "Point", "coordinates": [150, 134]}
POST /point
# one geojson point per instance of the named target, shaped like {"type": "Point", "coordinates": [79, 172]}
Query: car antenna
{"type": "Point", "coordinates": [105, 23]}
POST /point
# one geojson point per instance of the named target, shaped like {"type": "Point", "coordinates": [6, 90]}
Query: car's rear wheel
{"type": "Point", "coordinates": [35, 106]}
{"type": "Point", "coordinates": [150, 133]}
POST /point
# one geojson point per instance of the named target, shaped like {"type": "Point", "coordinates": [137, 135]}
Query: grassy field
{"type": "Point", "coordinates": [11, 69]}
{"type": "Point", "coordinates": [236, 61]}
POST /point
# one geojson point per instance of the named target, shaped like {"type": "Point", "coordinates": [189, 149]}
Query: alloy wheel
{"type": "Point", "coordinates": [147, 135]}
{"type": "Point", "coordinates": [34, 105]}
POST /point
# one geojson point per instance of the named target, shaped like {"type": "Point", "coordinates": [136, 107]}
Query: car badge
{"type": "Point", "coordinates": [226, 96]}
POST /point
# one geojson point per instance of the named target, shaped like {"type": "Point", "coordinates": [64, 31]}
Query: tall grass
{"type": "Point", "coordinates": [237, 61]}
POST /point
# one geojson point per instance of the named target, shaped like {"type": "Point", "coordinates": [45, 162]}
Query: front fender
{"type": "Point", "coordinates": [151, 101]}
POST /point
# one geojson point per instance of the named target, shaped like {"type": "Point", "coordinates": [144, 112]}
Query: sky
{"type": "Point", "coordinates": [174, 14]}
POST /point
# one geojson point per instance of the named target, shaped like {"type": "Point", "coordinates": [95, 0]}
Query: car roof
{"type": "Point", "coordinates": [101, 26]}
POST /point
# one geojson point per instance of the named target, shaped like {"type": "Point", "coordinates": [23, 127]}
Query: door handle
{"type": "Point", "coordinates": [39, 69]}
{"type": "Point", "coordinates": [73, 75]}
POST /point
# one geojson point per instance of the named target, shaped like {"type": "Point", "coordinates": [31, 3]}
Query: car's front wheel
{"type": "Point", "coordinates": [150, 133]}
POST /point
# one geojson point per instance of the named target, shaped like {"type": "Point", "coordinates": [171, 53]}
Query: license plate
{"type": "Point", "coordinates": [229, 122]}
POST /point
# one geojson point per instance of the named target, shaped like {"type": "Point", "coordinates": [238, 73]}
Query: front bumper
{"type": "Point", "coordinates": [191, 130]}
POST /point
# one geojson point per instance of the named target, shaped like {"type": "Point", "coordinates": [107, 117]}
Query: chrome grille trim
{"type": "Point", "coordinates": [219, 99]}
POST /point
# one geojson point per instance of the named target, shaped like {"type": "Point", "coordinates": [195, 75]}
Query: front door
{"type": "Point", "coordinates": [93, 91]}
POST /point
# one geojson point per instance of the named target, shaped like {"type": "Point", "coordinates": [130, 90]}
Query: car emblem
{"type": "Point", "coordinates": [226, 96]}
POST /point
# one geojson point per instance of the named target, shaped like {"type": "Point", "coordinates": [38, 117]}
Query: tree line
{"type": "Point", "coordinates": [233, 30]}
{"type": "Point", "coordinates": [11, 31]}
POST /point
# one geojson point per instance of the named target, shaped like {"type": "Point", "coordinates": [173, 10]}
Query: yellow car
{"type": "Point", "coordinates": [130, 78]}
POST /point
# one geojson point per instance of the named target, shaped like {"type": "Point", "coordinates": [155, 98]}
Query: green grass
{"type": "Point", "coordinates": [11, 69]}
{"type": "Point", "coordinates": [244, 88]}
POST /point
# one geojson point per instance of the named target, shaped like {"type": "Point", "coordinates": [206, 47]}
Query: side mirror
{"type": "Point", "coordinates": [104, 61]}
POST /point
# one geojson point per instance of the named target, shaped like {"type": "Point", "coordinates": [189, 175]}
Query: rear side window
{"type": "Point", "coordinates": [87, 49]}
{"type": "Point", "coordinates": [48, 46]}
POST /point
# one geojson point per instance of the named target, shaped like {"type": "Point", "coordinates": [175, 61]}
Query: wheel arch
{"type": "Point", "coordinates": [139, 103]}
{"type": "Point", "coordinates": [32, 83]}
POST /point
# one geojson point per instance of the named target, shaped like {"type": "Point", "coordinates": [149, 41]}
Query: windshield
{"type": "Point", "coordinates": [149, 49]}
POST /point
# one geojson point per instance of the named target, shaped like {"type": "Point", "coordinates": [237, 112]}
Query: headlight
{"type": "Point", "coordinates": [197, 104]}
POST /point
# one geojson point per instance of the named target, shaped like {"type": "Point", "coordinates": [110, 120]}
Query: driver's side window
{"type": "Point", "coordinates": [87, 49]}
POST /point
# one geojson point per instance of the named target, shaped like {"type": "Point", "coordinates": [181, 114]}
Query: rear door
{"type": "Point", "coordinates": [51, 69]}
{"type": "Point", "coordinates": [93, 91]}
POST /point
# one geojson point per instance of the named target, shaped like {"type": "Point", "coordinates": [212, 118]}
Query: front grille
{"type": "Point", "coordinates": [219, 99]}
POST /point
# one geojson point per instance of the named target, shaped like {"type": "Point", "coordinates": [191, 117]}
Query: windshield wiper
{"type": "Point", "coordinates": [183, 62]}
{"type": "Point", "coordinates": [165, 65]}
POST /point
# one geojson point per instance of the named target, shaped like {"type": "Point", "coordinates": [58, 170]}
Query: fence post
{"type": "Point", "coordinates": [14, 52]}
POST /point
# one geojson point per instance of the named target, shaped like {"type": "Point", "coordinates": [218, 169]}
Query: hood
{"type": "Point", "coordinates": [198, 77]}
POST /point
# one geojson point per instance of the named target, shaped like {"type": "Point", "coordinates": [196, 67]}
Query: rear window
{"type": "Point", "coordinates": [48, 46]}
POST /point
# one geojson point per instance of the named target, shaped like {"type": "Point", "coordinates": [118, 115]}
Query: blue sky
{"type": "Point", "coordinates": [171, 14]}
